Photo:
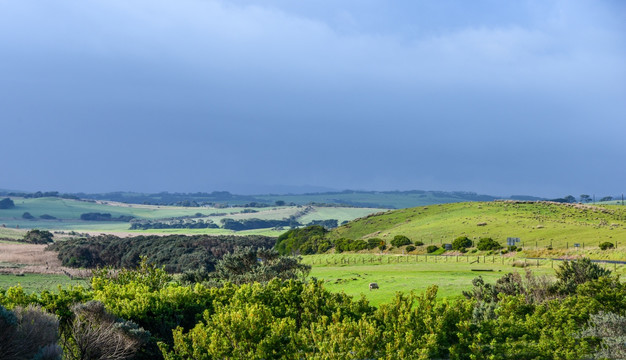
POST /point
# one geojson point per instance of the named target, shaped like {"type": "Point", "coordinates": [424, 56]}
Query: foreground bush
{"type": "Point", "coordinates": [98, 335]}
{"type": "Point", "coordinates": [28, 333]}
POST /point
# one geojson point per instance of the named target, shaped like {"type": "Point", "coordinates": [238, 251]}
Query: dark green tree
{"type": "Point", "coordinates": [6, 203]}
{"type": "Point", "coordinates": [570, 274]}
{"type": "Point", "coordinates": [400, 240]}
{"type": "Point", "coordinates": [38, 237]}
{"type": "Point", "coordinates": [248, 265]}
{"type": "Point", "coordinates": [461, 242]}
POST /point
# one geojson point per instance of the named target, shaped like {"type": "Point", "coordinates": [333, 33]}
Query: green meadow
{"type": "Point", "coordinates": [352, 273]}
{"type": "Point", "coordinates": [39, 282]}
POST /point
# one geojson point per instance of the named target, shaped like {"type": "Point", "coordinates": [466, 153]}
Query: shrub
{"type": "Point", "coordinates": [431, 248]}
{"type": "Point", "coordinates": [343, 244]}
{"type": "Point", "coordinates": [289, 242]}
{"type": "Point", "coordinates": [358, 245]}
{"type": "Point", "coordinates": [611, 329]}
{"type": "Point", "coordinates": [27, 216]}
{"type": "Point", "coordinates": [97, 334]}
{"type": "Point", "coordinates": [410, 248]}
{"type": "Point", "coordinates": [38, 237]}
{"type": "Point", "coordinates": [607, 245]}
{"type": "Point", "coordinates": [400, 240]}
{"type": "Point", "coordinates": [6, 203]}
{"type": "Point", "coordinates": [28, 333]}
{"type": "Point", "coordinates": [461, 242]}
{"type": "Point", "coordinates": [463, 250]}
{"type": "Point", "coordinates": [419, 243]}
{"type": "Point", "coordinates": [374, 243]}
{"type": "Point", "coordinates": [488, 244]}
{"type": "Point", "coordinates": [570, 274]}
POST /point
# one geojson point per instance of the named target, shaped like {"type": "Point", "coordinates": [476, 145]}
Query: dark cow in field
{"type": "Point", "coordinates": [373, 286]}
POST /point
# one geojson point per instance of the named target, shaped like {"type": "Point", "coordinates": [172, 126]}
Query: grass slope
{"type": "Point", "coordinates": [538, 224]}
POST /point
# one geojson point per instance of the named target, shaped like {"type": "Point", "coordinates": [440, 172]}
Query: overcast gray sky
{"type": "Point", "coordinates": [515, 97]}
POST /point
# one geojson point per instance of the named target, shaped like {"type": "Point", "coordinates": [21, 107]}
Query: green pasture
{"type": "Point", "coordinates": [537, 224]}
{"type": "Point", "coordinates": [11, 234]}
{"type": "Point", "coordinates": [39, 282]}
{"type": "Point", "coordinates": [352, 273]}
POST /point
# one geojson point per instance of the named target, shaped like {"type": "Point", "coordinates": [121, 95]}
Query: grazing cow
{"type": "Point", "coordinates": [373, 286]}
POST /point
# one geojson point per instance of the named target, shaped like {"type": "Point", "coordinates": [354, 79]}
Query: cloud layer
{"type": "Point", "coordinates": [209, 95]}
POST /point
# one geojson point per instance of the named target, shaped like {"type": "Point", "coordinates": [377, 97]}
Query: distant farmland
{"type": "Point", "coordinates": [55, 213]}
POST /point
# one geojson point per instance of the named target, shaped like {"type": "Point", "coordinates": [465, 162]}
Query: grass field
{"type": "Point", "coordinates": [39, 282]}
{"type": "Point", "coordinates": [537, 224]}
{"type": "Point", "coordinates": [352, 273]}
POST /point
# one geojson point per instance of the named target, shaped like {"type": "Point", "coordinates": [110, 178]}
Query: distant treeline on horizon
{"type": "Point", "coordinates": [348, 198]}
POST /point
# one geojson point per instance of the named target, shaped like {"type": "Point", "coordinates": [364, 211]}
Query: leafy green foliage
{"type": "Point", "coordinates": [432, 248]}
{"type": "Point", "coordinates": [38, 237]}
{"type": "Point", "coordinates": [248, 265]}
{"type": "Point", "coordinates": [610, 328]}
{"type": "Point", "coordinates": [290, 242]}
{"type": "Point", "coordinates": [373, 243]}
{"type": "Point", "coordinates": [606, 245]}
{"type": "Point", "coordinates": [570, 274]}
{"type": "Point", "coordinates": [178, 253]}
{"type": "Point", "coordinates": [400, 240]}
{"type": "Point", "coordinates": [485, 244]}
{"type": "Point", "coordinates": [462, 242]}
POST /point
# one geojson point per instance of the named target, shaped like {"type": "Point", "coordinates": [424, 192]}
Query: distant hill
{"type": "Point", "coordinates": [365, 199]}
{"type": "Point", "coordinates": [536, 223]}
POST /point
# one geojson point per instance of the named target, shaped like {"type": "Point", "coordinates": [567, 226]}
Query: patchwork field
{"type": "Point", "coordinates": [67, 215]}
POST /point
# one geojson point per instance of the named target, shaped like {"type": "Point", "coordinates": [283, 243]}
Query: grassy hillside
{"type": "Point", "coordinates": [538, 224]}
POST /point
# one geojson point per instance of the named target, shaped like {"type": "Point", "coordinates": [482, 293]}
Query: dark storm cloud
{"type": "Point", "coordinates": [209, 95]}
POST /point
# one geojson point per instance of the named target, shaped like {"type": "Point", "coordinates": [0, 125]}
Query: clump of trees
{"type": "Point", "coordinates": [7, 203]}
{"type": "Point", "coordinates": [177, 253]}
{"type": "Point", "coordinates": [249, 265]}
{"type": "Point", "coordinates": [249, 224]}
{"type": "Point", "coordinates": [95, 216]}
{"type": "Point", "coordinates": [293, 241]}
{"type": "Point", "coordinates": [462, 242]}
{"type": "Point", "coordinates": [38, 237]}
{"type": "Point", "coordinates": [400, 240]}
{"type": "Point", "coordinates": [606, 245]}
{"type": "Point", "coordinates": [485, 244]}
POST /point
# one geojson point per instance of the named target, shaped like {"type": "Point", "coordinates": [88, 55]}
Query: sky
{"type": "Point", "coordinates": [501, 98]}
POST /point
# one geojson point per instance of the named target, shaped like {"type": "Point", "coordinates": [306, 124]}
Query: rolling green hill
{"type": "Point", "coordinates": [538, 224]}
